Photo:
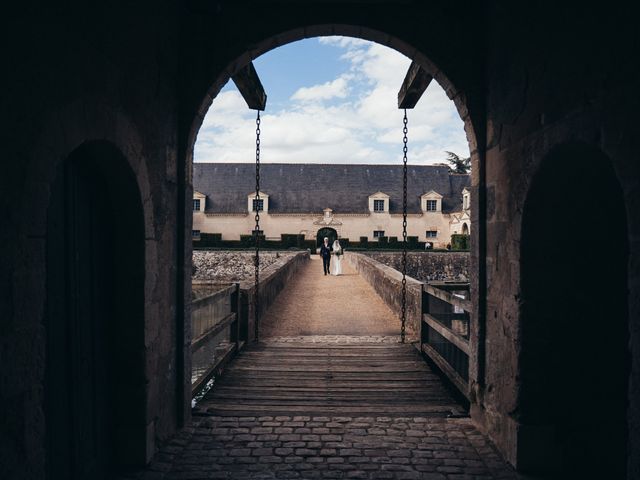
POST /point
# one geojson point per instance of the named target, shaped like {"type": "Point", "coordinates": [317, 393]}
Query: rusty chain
{"type": "Point", "coordinates": [256, 299]}
{"type": "Point", "coordinates": [405, 130]}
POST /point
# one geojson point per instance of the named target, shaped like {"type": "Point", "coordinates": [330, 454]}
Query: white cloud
{"type": "Point", "coordinates": [344, 42]}
{"type": "Point", "coordinates": [352, 118]}
{"type": "Point", "coordinates": [336, 88]}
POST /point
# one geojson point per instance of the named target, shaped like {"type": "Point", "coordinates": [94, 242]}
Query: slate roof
{"type": "Point", "coordinates": [309, 188]}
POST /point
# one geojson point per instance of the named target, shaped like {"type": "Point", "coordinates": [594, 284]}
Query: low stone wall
{"type": "Point", "coordinates": [273, 279]}
{"type": "Point", "coordinates": [428, 266]}
{"type": "Point", "coordinates": [387, 282]}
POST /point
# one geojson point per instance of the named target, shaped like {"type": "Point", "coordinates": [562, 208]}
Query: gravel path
{"type": "Point", "coordinates": [315, 304]}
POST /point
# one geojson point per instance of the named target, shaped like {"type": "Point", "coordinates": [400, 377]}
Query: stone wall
{"type": "Point", "coordinates": [273, 280]}
{"type": "Point", "coordinates": [427, 266]}
{"type": "Point", "coordinates": [387, 282]}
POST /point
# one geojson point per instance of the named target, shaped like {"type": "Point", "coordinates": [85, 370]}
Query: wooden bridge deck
{"type": "Point", "coordinates": [280, 378]}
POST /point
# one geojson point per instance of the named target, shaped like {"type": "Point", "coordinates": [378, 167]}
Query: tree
{"type": "Point", "coordinates": [458, 164]}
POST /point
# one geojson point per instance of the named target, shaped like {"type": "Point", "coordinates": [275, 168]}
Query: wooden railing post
{"type": "Point", "coordinates": [235, 308]}
{"type": "Point", "coordinates": [425, 309]}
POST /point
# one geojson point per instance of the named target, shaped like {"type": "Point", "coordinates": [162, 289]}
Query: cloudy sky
{"type": "Point", "coordinates": [331, 100]}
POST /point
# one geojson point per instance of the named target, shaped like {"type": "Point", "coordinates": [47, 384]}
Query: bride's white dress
{"type": "Point", "coordinates": [336, 265]}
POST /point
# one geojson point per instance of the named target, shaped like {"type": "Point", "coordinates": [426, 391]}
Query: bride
{"type": "Point", "coordinates": [336, 267]}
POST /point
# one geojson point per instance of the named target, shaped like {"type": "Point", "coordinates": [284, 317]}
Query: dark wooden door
{"type": "Point", "coordinates": [80, 306]}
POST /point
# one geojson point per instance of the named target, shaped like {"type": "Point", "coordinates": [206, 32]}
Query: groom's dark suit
{"type": "Point", "coordinates": [325, 253]}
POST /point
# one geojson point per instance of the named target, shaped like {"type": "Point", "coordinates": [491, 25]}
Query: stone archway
{"type": "Point", "coordinates": [326, 232]}
{"type": "Point", "coordinates": [462, 89]}
{"type": "Point", "coordinates": [575, 360]}
{"type": "Point", "coordinates": [95, 394]}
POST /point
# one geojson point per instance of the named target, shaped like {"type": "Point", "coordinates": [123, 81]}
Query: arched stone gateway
{"type": "Point", "coordinates": [95, 398]}
{"type": "Point", "coordinates": [115, 72]}
{"type": "Point", "coordinates": [575, 359]}
{"type": "Point", "coordinates": [326, 232]}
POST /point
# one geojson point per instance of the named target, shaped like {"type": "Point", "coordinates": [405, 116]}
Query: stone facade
{"type": "Point", "coordinates": [433, 216]}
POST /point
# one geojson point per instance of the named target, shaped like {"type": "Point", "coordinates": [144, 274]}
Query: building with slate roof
{"type": "Point", "coordinates": [350, 200]}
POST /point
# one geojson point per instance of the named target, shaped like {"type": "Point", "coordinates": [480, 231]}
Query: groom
{"type": "Point", "coordinates": [325, 253]}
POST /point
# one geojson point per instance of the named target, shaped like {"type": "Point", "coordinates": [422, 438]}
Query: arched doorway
{"type": "Point", "coordinates": [331, 233]}
{"type": "Point", "coordinates": [95, 381]}
{"type": "Point", "coordinates": [465, 229]}
{"type": "Point", "coordinates": [575, 359]}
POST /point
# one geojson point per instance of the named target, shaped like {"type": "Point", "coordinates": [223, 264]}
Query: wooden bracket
{"type": "Point", "coordinates": [415, 83]}
{"type": "Point", "coordinates": [250, 87]}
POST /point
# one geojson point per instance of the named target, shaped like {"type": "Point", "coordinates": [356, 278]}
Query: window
{"type": "Point", "coordinates": [465, 202]}
{"type": "Point", "coordinates": [259, 203]}
{"type": "Point", "coordinates": [196, 204]}
{"type": "Point", "coordinates": [378, 233]}
{"type": "Point", "coordinates": [432, 233]}
{"type": "Point", "coordinates": [378, 205]}
{"type": "Point", "coordinates": [432, 205]}
{"type": "Point", "coordinates": [195, 233]}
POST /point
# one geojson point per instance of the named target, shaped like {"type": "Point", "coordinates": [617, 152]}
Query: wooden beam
{"type": "Point", "coordinates": [252, 91]}
{"type": "Point", "coordinates": [415, 83]}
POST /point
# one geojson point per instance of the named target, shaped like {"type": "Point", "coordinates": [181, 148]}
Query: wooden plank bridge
{"type": "Point", "coordinates": [281, 378]}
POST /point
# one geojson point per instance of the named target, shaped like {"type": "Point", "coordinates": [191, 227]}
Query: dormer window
{"type": "Point", "coordinates": [431, 202]}
{"type": "Point", "coordinates": [466, 199]}
{"type": "Point", "coordinates": [379, 202]}
{"type": "Point", "coordinates": [258, 204]}
{"type": "Point", "coordinates": [199, 200]}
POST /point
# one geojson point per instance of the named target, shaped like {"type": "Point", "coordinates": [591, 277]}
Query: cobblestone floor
{"type": "Point", "coordinates": [305, 447]}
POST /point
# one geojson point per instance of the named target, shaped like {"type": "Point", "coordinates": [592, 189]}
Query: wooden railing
{"type": "Point", "coordinates": [215, 334]}
{"type": "Point", "coordinates": [445, 330]}
{"type": "Point", "coordinates": [222, 317]}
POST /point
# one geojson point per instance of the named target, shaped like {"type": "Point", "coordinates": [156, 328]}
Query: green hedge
{"type": "Point", "coordinates": [460, 241]}
{"type": "Point", "coordinates": [297, 241]}
{"type": "Point", "coordinates": [289, 240]}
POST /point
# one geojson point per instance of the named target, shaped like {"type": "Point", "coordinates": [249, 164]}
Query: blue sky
{"type": "Point", "coordinates": [331, 100]}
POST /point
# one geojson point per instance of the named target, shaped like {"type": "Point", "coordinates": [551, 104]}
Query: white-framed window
{"type": "Point", "coordinates": [196, 204]}
{"type": "Point", "coordinates": [378, 205]}
{"type": "Point", "coordinates": [195, 233]}
{"type": "Point", "coordinates": [432, 205]}
{"type": "Point", "coordinates": [378, 233]}
{"type": "Point", "coordinates": [465, 201]}
{"type": "Point", "coordinates": [432, 233]}
{"type": "Point", "coordinates": [259, 203]}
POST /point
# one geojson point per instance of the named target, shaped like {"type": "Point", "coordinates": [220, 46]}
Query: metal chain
{"type": "Point", "coordinates": [405, 130]}
{"type": "Point", "coordinates": [256, 297]}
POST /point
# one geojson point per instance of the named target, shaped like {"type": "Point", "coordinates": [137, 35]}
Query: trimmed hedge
{"type": "Point", "coordinates": [297, 241]}
{"type": "Point", "coordinates": [460, 241]}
